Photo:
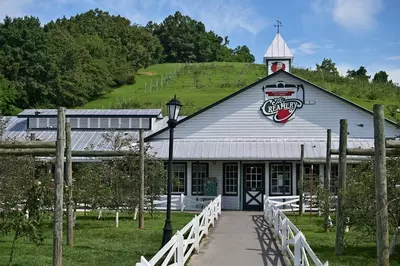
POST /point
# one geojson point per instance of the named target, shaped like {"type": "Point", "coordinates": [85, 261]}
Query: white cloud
{"type": "Point", "coordinates": [351, 14]}
{"type": "Point", "coordinates": [306, 48]}
{"type": "Point", "coordinates": [394, 74]}
{"type": "Point", "coordinates": [393, 58]}
{"type": "Point", "coordinates": [13, 8]}
{"type": "Point", "coordinates": [343, 67]}
{"type": "Point", "coordinates": [224, 16]}
{"type": "Point", "coordinates": [221, 16]}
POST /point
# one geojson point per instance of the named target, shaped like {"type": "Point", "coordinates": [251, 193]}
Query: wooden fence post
{"type": "Point", "coordinates": [58, 189]}
{"type": "Point", "coordinates": [327, 179]}
{"type": "Point", "coordinates": [301, 197]}
{"type": "Point", "coordinates": [68, 179]}
{"type": "Point", "coordinates": [297, 249]}
{"type": "Point", "coordinates": [284, 236]}
{"type": "Point", "coordinates": [141, 159]}
{"type": "Point", "coordinates": [382, 224]}
{"type": "Point", "coordinates": [182, 202]}
{"type": "Point", "coordinates": [196, 234]}
{"type": "Point", "coordinates": [179, 249]}
{"type": "Point", "coordinates": [205, 219]}
{"type": "Point", "coordinates": [339, 243]}
{"type": "Point", "coordinates": [276, 222]}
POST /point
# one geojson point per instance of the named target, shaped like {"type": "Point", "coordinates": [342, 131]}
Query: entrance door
{"type": "Point", "coordinates": [253, 186]}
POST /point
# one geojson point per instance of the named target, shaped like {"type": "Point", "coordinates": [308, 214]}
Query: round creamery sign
{"type": "Point", "coordinates": [280, 102]}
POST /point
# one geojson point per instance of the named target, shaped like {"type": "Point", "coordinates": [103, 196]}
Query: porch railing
{"type": "Point", "coordinates": [292, 203]}
{"type": "Point", "coordinates": [293, 242]}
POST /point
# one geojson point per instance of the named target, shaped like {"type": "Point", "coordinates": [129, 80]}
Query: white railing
{"type": "Point", "coordinates": [182, 202]}
{"type": "Point", "coordinates": [187, 240]}
{"type": "Point", "coordinates": [293, 242]}
{"type": "Point", "coordinates": [292, 203]}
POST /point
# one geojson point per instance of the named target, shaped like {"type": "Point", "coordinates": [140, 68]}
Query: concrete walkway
{"type": "Point", "coordinates": [239, 238]}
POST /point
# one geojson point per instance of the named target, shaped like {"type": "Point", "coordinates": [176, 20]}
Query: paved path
{"type": "Point", "coordinates": [239, 238]}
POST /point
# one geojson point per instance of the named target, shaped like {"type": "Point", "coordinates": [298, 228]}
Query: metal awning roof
{"type": "Point", "coordinates": [269, 149]}
{"type": "Point", "coordinates": [92, 112]}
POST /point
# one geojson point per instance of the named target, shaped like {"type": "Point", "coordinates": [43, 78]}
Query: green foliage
{"type": "Point", "coordinates": [360, 204]}
{"type": "Point", "coordinates": [25, 194]}
{"type": "Point", "coordinates": [115, 183]}
{"type": "Point", "coordinates": [361, 73]}
{"type": "Point", "coordinates": [328, 66]}
{"type": "Point", "coordinates": [381, 77]}
{"type": "Point", "coordinates": [186, 40]}
{"type": "Point", "coordinates": [69, 61]}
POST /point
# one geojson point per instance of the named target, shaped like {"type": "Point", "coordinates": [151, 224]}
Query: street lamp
{"type": "Point", "coordinates": [174, 106]}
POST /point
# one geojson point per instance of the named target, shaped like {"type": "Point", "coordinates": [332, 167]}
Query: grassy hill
{"type": "Point", "coordinates": [201, 84]}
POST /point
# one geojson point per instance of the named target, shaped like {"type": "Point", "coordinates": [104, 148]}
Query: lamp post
{"type": "Point", "coordinates": [174, 107]}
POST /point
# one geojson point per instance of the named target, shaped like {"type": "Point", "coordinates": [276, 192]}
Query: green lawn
{"type": "Point", "coordinates": [200, 84]}
{"type": "Point", "coordinates": [358, 250]}
{"type": "Point", "coordinates": [97, 242]}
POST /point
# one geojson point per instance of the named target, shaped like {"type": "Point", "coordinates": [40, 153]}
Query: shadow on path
{"type": "Point", "coordinates": [270, 251]}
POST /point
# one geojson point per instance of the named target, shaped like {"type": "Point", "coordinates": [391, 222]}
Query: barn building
{"type": "Point", "coordinates": [249, 141]}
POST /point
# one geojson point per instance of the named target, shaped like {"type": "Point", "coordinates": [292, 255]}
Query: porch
{"type": "Point", "coordinates": [242, 184]}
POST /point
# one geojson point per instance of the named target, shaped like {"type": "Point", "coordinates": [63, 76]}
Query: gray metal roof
{"type": "Point", "coordinates": [93, 112]}
{"type": "Point", "coordinates": [195, 149]}
{"type": "Point", "coordinates": [269, 149]}
{"type": "Point", "coordinates": [81, 139]}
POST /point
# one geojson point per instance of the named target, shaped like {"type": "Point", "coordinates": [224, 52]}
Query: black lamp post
{"type": "Point", "coordinates": [174, 107]}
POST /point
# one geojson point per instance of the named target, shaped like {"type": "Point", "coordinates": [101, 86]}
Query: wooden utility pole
{"type": "Point", "coordinates": [301, 198]}
{"type": "Point", "coordinates": [339, 245]}
{"type": "Point", "coordinates": [382, 224]}
{"type": "Point", "coordinates": [58, 189]}
{"type": "Point", "coordinates": [68, 179]}
{"type": "Point", "coordinates": [141, 201]}
{"type": "Point", "coordinates": [327, 179]}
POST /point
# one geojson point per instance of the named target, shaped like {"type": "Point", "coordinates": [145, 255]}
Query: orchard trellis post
{"type": "Point", "coordinates": [339, 244]}
{"type": "Point", "coordinates": [68, 179]}
{"type": "Point", "coordinates": [327, 180]}
{"type": "Point", "coordinates": [141, 199]}
{"type": "Point", "coordinates": [58, 190]}
{"type": "Point", "coordinates": [382, 149]}
{"type": "Point", "coordinates": [382, 221]}
{"type": "Point", "coordinates": [301, 197]}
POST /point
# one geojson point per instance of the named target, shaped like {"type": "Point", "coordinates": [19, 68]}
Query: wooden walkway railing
{"type": "Point", "coordinates": [293, 242]}
{"type": "Point", "coordinates": [187, 240]}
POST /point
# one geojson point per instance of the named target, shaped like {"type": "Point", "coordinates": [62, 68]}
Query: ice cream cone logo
{"type": "Point", "coordinates": [276, 66]}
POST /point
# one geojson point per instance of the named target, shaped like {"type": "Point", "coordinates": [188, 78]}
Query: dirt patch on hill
{"type": "Point", "coordinates": [147, 73]}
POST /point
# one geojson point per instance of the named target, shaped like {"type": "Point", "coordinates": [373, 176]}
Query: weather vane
{"type": "Point", "coordinates": [278, 24]}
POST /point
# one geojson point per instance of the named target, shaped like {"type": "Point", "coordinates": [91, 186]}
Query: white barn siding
{"type": "Point", "coordinates": [240, 117]}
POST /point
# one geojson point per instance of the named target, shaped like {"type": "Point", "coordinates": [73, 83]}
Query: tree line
{"type": "Point", "coordinates": [70, 61]}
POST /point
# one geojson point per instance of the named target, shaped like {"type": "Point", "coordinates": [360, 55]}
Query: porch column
{"type": "Point", "coordinates": [189, 179]}
{"type": "Point", "coordinates": [321, 174]}
{"type": "Point", "coordinates": [240, 187]}
{"type": "Point", "coordinates": [267, 178]}
{"type": "Point", "coordinates": [294, 178]}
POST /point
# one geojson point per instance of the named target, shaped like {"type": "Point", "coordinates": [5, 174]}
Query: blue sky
{"type": "Point", "coordinates": [351, 32]}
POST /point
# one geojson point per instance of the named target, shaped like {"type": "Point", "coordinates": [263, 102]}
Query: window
{"type": "Point", "coordinates": [199, 173]}
{"type": "Point", "coordinates": [231, 179]}
{"type": "Point", "coordinates": [281, 175]}
{"type": "Point", "coordinates": [179, 177]}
